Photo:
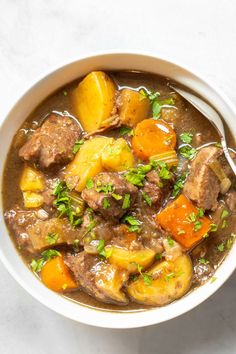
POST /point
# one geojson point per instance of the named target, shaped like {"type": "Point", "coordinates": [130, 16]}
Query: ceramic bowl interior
{"type": "Point", "coordinates": [25, 105]}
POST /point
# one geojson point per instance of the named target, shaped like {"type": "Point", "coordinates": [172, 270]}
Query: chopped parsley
{"type": "Point", "coordinates": [37, 265]}
{"type": "Point", "coordinates": [192, 217]}
{"type": "Point", "coordinates": [200, 213]}
{"type": "Point", "coordinates": [213, 279]}
{"type": "Point", "coordinates": [106, 203]}
{"type": "Point", "coordinates": [106, 188]}
{"type": "Point", "coordinates": [179, 184]}
{"type": "Point", "coordinates": [170, 276]}
{"type": "Point", "coordinates": [156, 103]}
{"type": "Point", "coordinates": [224, 224]}
{"type": "Point", "coordinates": [230, 241]}
{"type": "Point", "coordinates": [186, 138]}
{"type": "Point", "coordinates": [147, 278]}
{"type": "Point", "coordinates": [126, 131]}
{"type": "Point", "coordinates": [159, 256]}
{"type": "Point", "coordinates": [197, 225]}
{"type": "Point", "coordinates": [170, 241]}
{"type": "Point", "coordinates": [102, 251]}
{"type": "Point", "coordinates": [221, 247]}
{"type": "Point", "coordinates": [63, 203]}
{"type": "Point", "coordinates": [188, 152]}
{"type": "Point", "coordinates": [137, 175]}
{"type": "Point", "coordinates": [214, 227]}
{"type": "Point", "coordinates": [218, 145]}
{"type": "Point", "coordinates": [181, 232]}
{"type": "Point", "coordinates": [77, 146]}
{"type": "Point", "coordinates": [164, 172]}
{"type": "Point", "coordinates": [224, 214]}
{"type": "Point", "coordinates": [89, 183]}
{"type": "Point", "coordinates": [202, 260]}
{"type": "Point", "coordinates": [116, 196]}
{"type": "Point", "coordinates": [126, 201]}
{"type": "Point", "coordinates": [134, 223]}
{"type": "Point", "coordinates": [147, 199]}
{"type": "Point", "coordinates": [52, 238]}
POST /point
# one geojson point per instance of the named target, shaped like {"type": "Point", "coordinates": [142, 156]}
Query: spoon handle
{"type": "Point", "coordinates": [227, 155]}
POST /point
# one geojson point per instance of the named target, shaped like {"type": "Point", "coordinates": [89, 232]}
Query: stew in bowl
{"type": "Point", "coordinates": [123, 197]}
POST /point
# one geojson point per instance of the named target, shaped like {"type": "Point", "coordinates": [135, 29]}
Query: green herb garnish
{"type": "Point", "coordinates": [126, 131]}
{"type": "Point", "coordinates": [156, 103]}
{"type": "Point", "coordinates": [197, 225]}
{"type": "Point", "coordinates": [116, 196]}
{"type": "Point", "coordinates": [134, 223]}
{"type": "Point", "coordinates": [170, 241]}
{"type": "Point", "coordinates": [224, 214]}
{"type": "Point", "coordinates": [137, 175]}
{"type": "Point", "coordinates": [52, 238]}
{"type": "Point", "coordinates": [221, 247]}
{"type": "Point", "coordinates": [106, 188]}
{"type": "Point", "coordinates": [179, 184]}
{"type": "Point", "coordinates": [147, 199]}
{"type": "Point", "coordinates": [147, 278]}
{"type": "Point", "coordinates": [77, 146]}
{"type": "Point", "coordinates": [126, 201]}
{"type": "Point", "coordinates": [106, 203]}
{"type": "Point", "coordinates": [214, 227]}
{"type": "Point", "coordinates": [63, 203]}
{"type": "Point", "coordinates": [188, 152]}
{"type": "Point", "coordinates": [203, 261]}
{"type": "Point", "coordinates": [37, 265]}
{"type": "Point", "coordinates": [186, 138]}
{"type": "Point", "coordinates": [89, 183]}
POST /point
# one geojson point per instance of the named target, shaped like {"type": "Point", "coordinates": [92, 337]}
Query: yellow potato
{"type": "Point", "coordinates": [130, 260]}
{"type": "Point", "coordinates": [133, 107]}
{"type": "Point", "coordinates": [94, 100]}
{"type": "Point", "coordinates": [31, 180]}
{"type": "Point", "coordinates": [87, 163]}
{"type": "Point", "coordinates": [170, 281]}
{"type": "Point", "coordinates": [117, 156]}
{"type": "Point", "coordinates": [109, 279]}
{"type": "Point", "coordinates": [32, 200]}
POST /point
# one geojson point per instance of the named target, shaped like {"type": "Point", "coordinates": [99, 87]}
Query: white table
{"type": "Point", "coordinates": [36, 36]}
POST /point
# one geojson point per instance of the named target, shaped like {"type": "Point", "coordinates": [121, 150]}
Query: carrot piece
{"type": "Point", "coordinates": [152, 137]}
{"type": "Point", "coordinates": [56, 275]}
{"type": "Point", "coordinates": [183, 221]}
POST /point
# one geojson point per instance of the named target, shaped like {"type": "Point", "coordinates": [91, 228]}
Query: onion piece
{"type": "Point", "coordinates": [225, 182]}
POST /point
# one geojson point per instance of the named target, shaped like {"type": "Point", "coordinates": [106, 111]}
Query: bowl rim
{"type": "Point", "coordinates": [101, 318]}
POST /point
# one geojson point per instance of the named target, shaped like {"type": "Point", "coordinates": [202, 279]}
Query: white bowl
{"type": "Point", "coordinates": [25, 105]}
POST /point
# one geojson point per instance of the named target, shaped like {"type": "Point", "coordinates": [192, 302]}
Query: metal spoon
{"type": "Point", "coordinates": [211, 115]}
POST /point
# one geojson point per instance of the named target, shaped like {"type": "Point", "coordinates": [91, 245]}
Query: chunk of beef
{"type": "Point", "coordinates": [33, 227]}
{"type": "Point", "coordinates": [231, 200]}
{"type": "Point", "coordinates": [152, 187]}
{"type": "Point", "coordinates": [202, 185]}
{"type": "Point", "coordinates": [99, 279]}
{"type": "Point", "coordinates": [110, 203]}
{"type": "Point", "coordinates": [172, 251]}
{"type": "Point", "coordinates": [52, 143]}
{"type": "Point", "coordinates": [19, 221]}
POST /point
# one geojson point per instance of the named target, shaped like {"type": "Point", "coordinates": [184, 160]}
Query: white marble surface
{"type": "Point", "coordinates": [36, 36]}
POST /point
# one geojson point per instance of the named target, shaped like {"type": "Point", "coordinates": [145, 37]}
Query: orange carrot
{"type": "Point", "coordinates": [184, 221]}
{"type": "Point", "coordinates": [56, 275]}
{"type": "Point", "coordinates": [152, 137]}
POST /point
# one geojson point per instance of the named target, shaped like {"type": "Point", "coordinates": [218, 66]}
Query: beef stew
{"type": "Point", "coordinates": [122, 196]}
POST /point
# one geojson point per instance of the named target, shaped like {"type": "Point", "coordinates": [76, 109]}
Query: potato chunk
{"type": "Point", "coordinates": [94, 100]}
{"type": "Point", "coordinates": [170, 281]}
{"type": "Point", "coordinates": [130, 259]}
{"type": "Point", "coordinates": [32, 200]}
{"type": "Point", "coordinates": [31, 180]}
{"type": "Point", "coordinates": [87, 163]}
{"type": "Point", "coordinates": [117, 156]}
{"type": "Point", "coordinates": [110, 279]}
{"type": "Point", "coordinates": [133, 107]}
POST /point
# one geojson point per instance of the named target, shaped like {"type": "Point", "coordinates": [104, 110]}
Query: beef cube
{"type": "Point", "coordinates": [108, 195]}
{"type": "Point", "coordinates": [52, 143]}
{"type": "Point", "coordinates": [202, 185]}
